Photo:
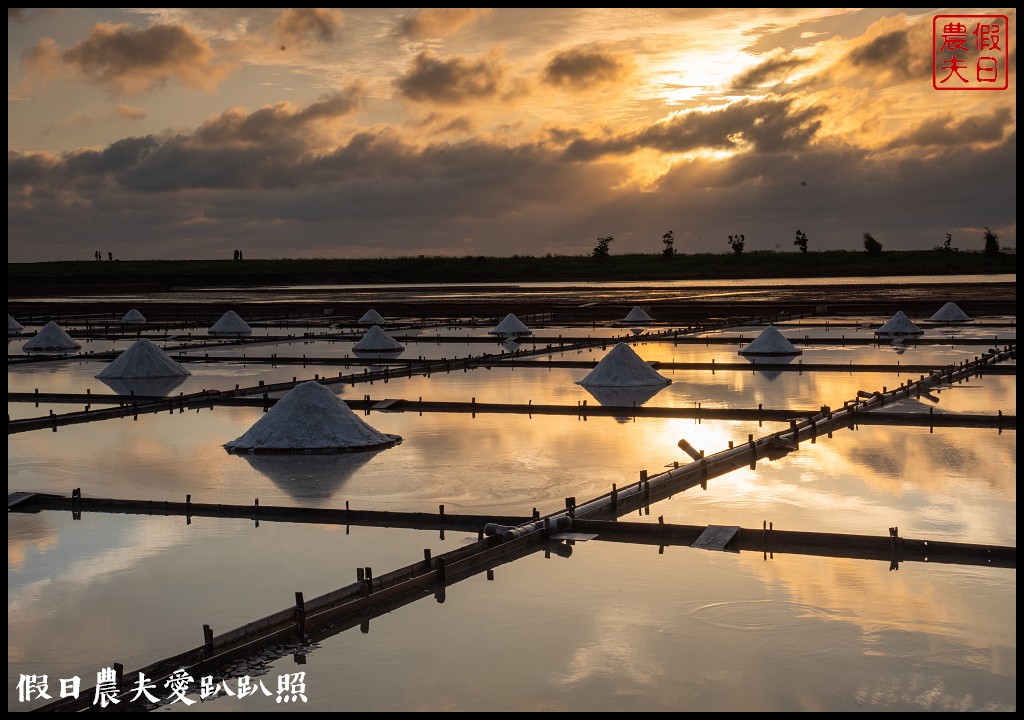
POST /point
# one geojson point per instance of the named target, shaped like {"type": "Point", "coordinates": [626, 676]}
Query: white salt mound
{"type": "Point", "coordinates": [310, 418]}
{"type": "Point", "coordinates": [13, 326]}
{"type": "Point", "coordinates": [51, 338]}
{"type": "Point", "coordinates": [950, 313]}
{"type": "Point", "coordinates": [511, 326]}
{"type": "Point", "coordinates": [637, 315]}
{"type": "Point", "coordinates": [622, 367]}
{"type": "Point", "coordinates": [133, 316]}
{"type": "Point", "coordinates": [770, 342]}
{"type": "Point", "coordinates": [230, 324]}
{"type": "Point", "coordinates": [143, 359]}
{"type": "Point", "coordinates": [371, 317]}
{"type": "Point", "coordinates": [376, 339]}
{"type": "Point", "coordinates": [899, 324]}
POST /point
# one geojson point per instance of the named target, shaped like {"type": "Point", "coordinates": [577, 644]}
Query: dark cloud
{"type": "Point", "coordinates": [304, 26]}
{"type": "Point", "coordinates": [450, 81]}
{"type": "Point", "coordinates": [581, 68]}
{"type": "Point", "coordinates": [892, 54]}
{"type": "Point", "coordinates": [277, 125]}
{"type": "Point", "coordinates": [439, 22]}
{"type": "Point", "coordinates": [774, 68]}
{"type": "Point", "coordinates": [766, 125]}
{"type": "Point", "coordinates": [943, 130]}
{"type": "Point", "coordinates": [127, 61]}
{"type": "Point", "coordinates": [175, 196]}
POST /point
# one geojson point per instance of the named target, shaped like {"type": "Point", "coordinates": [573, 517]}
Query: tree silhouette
{"type": "Point", "coordinates": [873, 247]}
{"type": "Point", "coordinates": [736, 242]}
{"type": "Point", "coordinates": [669, 240]}
{"type": "Point", "coordinates": [801, 241]}
{"type": "Point", "coordinates": [601, 249]}
{"type": "Point", "coordinates": [991, 243]}
{"type": "Point", "coordinates": [947, 245]}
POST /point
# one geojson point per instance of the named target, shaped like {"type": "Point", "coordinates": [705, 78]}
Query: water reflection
{"type": "Point", "coordinates": [770, 373]}
{"type": "Point", "coordinates": [157, 386]}
{"type": "Point", "coordinates": [623, 396]}
{"type": "Point", "coordinates": [309, 478]}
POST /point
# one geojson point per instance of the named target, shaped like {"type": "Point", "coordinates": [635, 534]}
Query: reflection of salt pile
{"type": "Point", "coordinates": [51, 338]}
{"type": "Point", "coordinates": [637, 316]}
{"type": "Point", "coordinates": [622, 367]}
{"type": "Point", "coordinates": [511, 326]}
{"type": "Point", "coordinates": [771, 361]}
{"type": "Point", "coordinates": [950, 313]}
{"type": "Point", "coordinates": [310, 418]}
{"type": "Point", "coordinates": [376, 340]}
{"type": "Point", "coordinates": [899, 325]}
{"type": "Point", "coordinates": [133, 316]}
{"type": "Point", "coordinates": [230, 324]}
{"type": "Point", "coordinates": [770, 342]}
{"type": "Point", "coordinates": [13, 326]}
{"type": "Point", "coordinates": [371, 317]}
{"type": "Point", "coordinates": [144, 359]}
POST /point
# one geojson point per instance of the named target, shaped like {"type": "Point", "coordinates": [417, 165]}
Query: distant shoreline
{"type": "Point", "coordinates": [164, 275]}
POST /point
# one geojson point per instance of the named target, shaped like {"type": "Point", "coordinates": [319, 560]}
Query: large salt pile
{"type": "Point", "coordinates": [770, 342]}
{"type": "Point", "coordinates": [511, 326]}
{"type": "Point", "coordinates": [950, 313]}
{"type": "Point", "coordinates": [133, 316]}
{"type": "Point", "coordinates": [310, 418]}
{"type": "Point", "coordinates": [622, 367]}
{"type": "Point", "coordinates": [230, 324]}
{"type": "Point", "coordinates": [143, 359]}
{"type": "Point", "coordinates": [371, 317]}
{"type": "Point", "coordinates": [13, 326]}
{"type": "Point", "coordinates": [899, 325]}
{"type": "Point", "coordinates": [637, 316]}
{"type": "Point", "coordinates": [376, 340]}
{"type": "Point", "coordinates": [51, 338]}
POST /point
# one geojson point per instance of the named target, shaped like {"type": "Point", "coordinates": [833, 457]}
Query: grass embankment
{"type": "Point", "coordinates": [105, 276]}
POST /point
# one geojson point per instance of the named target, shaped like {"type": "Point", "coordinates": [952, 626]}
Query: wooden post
{"type": "Point", "coordinates": [300, 616]}
{"type": "Point", "coordinates": [207, 640]}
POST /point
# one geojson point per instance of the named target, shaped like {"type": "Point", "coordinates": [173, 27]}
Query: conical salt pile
{"type": "Point", "coordinates": [899, 325]}
{"type": "Point", "coordinates": [371, 317]}
{"type": "Point", "coordinates": [950, 313]}
{"type": "Point", "coordinates": [377, 340]}
{"type": "Point", "coordinates": [13, 326]}
{"type": "Point", "coordinates": [310, 418]}
{"type": "Point", "coordinates": [637, 316]}
{"type": "Point", "coordinates": [133, 316]}
{"type": "Point", "coordinates": [230, 324]}
{"type": "Point", "coordinates": [770, 342]}
{"type": "Point", "coordinates": [144, 359]}
{"type": "Point", "coordinates": [511, 326]}
{"type": "Point", "coordinates": [51, 338]}
{"type": "Point", "coordinates": [622, 367]}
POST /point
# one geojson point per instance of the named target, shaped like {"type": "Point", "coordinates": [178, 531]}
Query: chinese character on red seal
{"type": "Point", "coordinates": [969, 52]}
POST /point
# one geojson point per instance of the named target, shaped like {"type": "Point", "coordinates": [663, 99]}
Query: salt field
{"type": "Point", "coordinates": [585, 621]}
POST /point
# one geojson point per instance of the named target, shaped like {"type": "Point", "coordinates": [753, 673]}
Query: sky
{"type": "Point", "coordinates": [189, 133]}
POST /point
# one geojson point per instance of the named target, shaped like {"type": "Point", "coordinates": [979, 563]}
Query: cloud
{"type": "Point", "coordinates": [304, 26]}
{"type": "Point", "coordinates": [278, 125]}
{"type": "Point", "coordinates": [943, 130]}
{"type": "Point", "coordinates": [764, 125]}
{"type": "Point", "coordinates": [454, 81]}
{"type": "Point", "coordinates": [772, 69]}
{"type": "Point", "coordinates": [583, 68]}
{"type": "Point", "coordinates": [127, 61]}
{"type": "Point", "coordinates": [130, 113]}
{"type": "Point", "coordinates": [895, 55]}
{"type": "Point", "coordinates": [440, 22]}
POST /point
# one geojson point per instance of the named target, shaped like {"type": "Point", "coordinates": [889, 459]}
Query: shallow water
{"type": "Point", "coordinates": [612, 626]}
